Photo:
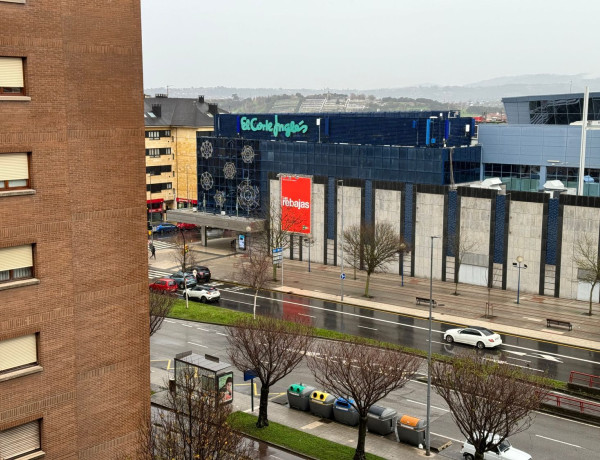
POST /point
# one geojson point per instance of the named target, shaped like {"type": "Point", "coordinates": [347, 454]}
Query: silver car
{"type": "Point", "coordinates": [204, 293]}
{"type": "Point", "coordinates": [479, 337]}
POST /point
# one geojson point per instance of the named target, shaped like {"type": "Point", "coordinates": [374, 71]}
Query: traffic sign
{"type": "Point", "coordinates": [277, 255]}
{"type": "Point", "coordinates": [343, 276]}
{"type": "Point", "coordinates": [249, 374]}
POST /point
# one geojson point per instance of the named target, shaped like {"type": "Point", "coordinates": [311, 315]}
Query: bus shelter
{"type": "Point", "coordinates": [213, 373]}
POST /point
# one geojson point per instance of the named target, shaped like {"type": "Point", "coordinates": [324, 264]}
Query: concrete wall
{"type": "Point", "coordinates": [475, 214]}
{"type": "Point", "coordinates": [577, 222]}
{"type": "Point", "coordinates": [429, 222]}
{"type": "Point", "coordinates": [352, 211]}
{"type": "Point", "coordinates": [524, 239]}
{"type": "Point", "coordinates": [317, 225]}
{"type": "Point", "coordinates": [387, 209]}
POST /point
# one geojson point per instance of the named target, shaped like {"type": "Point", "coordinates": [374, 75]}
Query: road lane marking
{"type": "Point", "coordinates": [197, 344]}
{"type": "Point", "coordinates": [221, 333]}
{"type": "Point", "coordinates": [447, 437]}
{"type": "Point", "coordinates": [424, 404]}
{"type": "Point", "coordinates": [309, 316]}
{"type": "Point", "coordinates": [187, 325]}
{"type": "Point", "coordinates": [202, 329]}
{"type": "Point", "coordinates": [556, 440]}
{"type": "Point", "coordinates": [365, 327]}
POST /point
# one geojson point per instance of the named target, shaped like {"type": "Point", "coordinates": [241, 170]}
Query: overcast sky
{"type": "Point", "coordinates": [364, 44]}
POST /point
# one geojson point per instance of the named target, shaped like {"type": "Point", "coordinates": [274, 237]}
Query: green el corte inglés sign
{"type": "Point", "coordinates": [273, 127]}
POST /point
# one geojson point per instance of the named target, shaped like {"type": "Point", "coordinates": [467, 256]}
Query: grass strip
{"type": "Point", "coordinates": [295, 440]}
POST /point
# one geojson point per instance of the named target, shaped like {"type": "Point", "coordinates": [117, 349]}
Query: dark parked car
{"type": "Point", "coordinates": [202, 273]}
{"type": "Point", "coordinates": [190, 280]}
{"type": "Point", "coordinates": [165, 228]}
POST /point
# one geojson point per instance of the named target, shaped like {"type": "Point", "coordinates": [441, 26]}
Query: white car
{"type": "Point", "coordinates": [204, 293]}
{"type": "Point", "coordinates": [479, 337]}
{"type": "Point", "coordinates": [504, 451]}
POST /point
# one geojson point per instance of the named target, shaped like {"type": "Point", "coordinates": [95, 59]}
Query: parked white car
{"type": "Point", "coordinates": [504, 451]}
{"type": "Point", "coordinates": [479, 337]}
{"type": "Point", "coordinates": [204, 293]}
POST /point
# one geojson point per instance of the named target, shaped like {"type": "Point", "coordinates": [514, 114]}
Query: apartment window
{"type": "Point", "coordinates": [11, 76]}
{"type": "Point", "coordinates": [153, 134]}
{"type": "Point", "coordinates": [18, 353]}
{"type": "Point", "coordinates": [14, 171]}
{"type": "Point", "coordinates": [16, 263]}
{"type": "Point", "coordinates": [21, 440]}
{"type": "Point", "coordinates": [154, 153]}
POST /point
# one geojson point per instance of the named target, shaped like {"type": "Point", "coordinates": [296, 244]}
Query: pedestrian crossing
{"type": "Point", "coordinates": [163, 245]}
{"type": "Point", "coordinates": [153, 274]}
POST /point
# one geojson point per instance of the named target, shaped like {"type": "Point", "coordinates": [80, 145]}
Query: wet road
{"type": "Point", "coordinates": [556, 360]}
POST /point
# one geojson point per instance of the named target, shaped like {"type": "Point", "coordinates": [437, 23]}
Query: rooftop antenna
{"type": "Point", "coordinates": [168, 90]}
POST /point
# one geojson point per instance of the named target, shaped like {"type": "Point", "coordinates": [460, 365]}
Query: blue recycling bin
{"type": "Point", "coordinates": [344, 412]}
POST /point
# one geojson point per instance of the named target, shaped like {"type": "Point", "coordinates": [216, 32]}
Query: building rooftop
{"type": "Point", "coordinates": [166, 111]}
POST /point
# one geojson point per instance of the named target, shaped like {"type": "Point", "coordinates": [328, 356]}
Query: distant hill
{"type": "Point", "coordinates": [487, 93]}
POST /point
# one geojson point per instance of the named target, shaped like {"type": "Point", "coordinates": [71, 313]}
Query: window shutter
{"type": "Point", "coordinates": [20, 440]}
{"type": "Point", "coordinates": [11, 72]}
{"type": "Point", "coordinates": [16, 257]}
{"type": "Point", "coordinates": [13, 166]}
{"type": "Point", "coordinates": [17, 352]}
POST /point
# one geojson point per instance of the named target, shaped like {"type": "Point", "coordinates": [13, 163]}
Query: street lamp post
{"type": "Point", "coordinates": [340, 183]}
{"type": "Point", "coordinates": [308, 242]}
{"type": "Point", "coordinates": [427, 430]}
{"type": "Point", "coordinates": [519, 264]}
{"type": "Point", "coordinates": [402, 249]}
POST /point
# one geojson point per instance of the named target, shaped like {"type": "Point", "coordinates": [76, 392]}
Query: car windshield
{"type": "Point", "coordinates": [504, 446]}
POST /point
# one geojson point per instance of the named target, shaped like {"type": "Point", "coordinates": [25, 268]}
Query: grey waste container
{"type": "Point", "coordinates": [411, 430]}
{"type": "Point", "coordinates": [321, 404]}
{"type": "Point", "coordinates": [299, 395]}
{"type": "Point", "coordinates": [344, 412]}
{"type": "Point", "coordinates": [381, 420]}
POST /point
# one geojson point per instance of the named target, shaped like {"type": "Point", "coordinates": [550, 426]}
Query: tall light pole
{"type": "Point", "coordinates": [308, 242]}
{"type": "Point", "coordinates": [340, 184]}
{"type": "Point", "coordinates": [427, 430]}
{"type": "Point", "coordinates": [519, 264]}
{"type": "Point", "coordinates": [401, 250]}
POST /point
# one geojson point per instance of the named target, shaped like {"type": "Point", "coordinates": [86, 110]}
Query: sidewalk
{"type": "Point", "coordinates": [526, 319]}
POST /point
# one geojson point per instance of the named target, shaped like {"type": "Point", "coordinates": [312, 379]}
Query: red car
{"type": "Point", "coordinates": [164, 285]}
{"type": "Point", "coordinates": [184, 226]}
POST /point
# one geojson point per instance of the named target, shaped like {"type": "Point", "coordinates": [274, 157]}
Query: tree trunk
{"type": "Point", "coordinates": [359, 454]}
{"type": "Point", "coordinates": [274, 272]}
{"type": "Point", "coordinates": [478, 456]}
{"type": "Point", "coordinates": [456, 288]}
{"type": "Point", "coordinates": [591, 298]}
{"type": "Point", "coordinates": [367, 284]}
{"type": "Point", "coordinates": [262, 407]}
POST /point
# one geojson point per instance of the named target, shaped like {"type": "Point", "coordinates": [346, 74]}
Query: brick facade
{"type": "Point", "coordinates": [84, 130]}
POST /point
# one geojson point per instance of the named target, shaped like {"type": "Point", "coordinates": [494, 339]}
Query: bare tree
{"type": "Point", "coordinates": [160, 306]}
{"type": "Point", "coordinates": [352, 246]}
{"type": "Point", "coordinates": [487, 398]}
{"type": "Point", "coordinates": [182, 255]}
{"type": "Point", "coordinates": [588, 263]}
{"type": "Point", "coordinates": [272, 348]}
{"type": "Point", "coordinates": [361, 373]}
{"type": "Point", "coordinates": [195, 427]}
{"type": "Point", "coordinates": [378, 245]}
{"type": "Point", "coordinates": [254, 271]}
{"type": "Point", "coordinates": [461, 245]}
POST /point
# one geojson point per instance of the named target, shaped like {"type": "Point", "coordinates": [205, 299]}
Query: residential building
{"type": "Point", "coordinates": [172, 126]}
{"type": "Point", "coordinates": [74, 322]}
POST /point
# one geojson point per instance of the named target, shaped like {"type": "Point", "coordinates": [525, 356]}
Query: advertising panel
{"type": "Point", "coordinates": [296, 204]}
{"type": "Point", "coordinates": [226, 387]}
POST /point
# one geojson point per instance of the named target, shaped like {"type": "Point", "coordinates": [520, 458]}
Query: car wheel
{"type": "Point", "coordinates": [468, 457]}
{"type": "Point", "coordinates": [449, 339]}
{"type": "Point", "coordinates": [180, 286]}
{"type": "Point", "coordinates": [480, 345]}
{"type": "Point", "coordinates": [203, 299]}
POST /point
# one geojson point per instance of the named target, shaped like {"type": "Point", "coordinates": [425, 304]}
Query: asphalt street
{"type": "Point", "coordinates": [549, 436]}
{"type": "Point", "coordinates": [556, 360]}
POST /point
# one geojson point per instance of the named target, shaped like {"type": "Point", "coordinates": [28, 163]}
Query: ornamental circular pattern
{"type": "Point", "coordinates": [248, 195]}
{"type": "Point", "coordinates": [247, 154]}
{"type": "Point", "coordinates": [206, 180]}
{"type": "Point", "coordinates": [220, 199]}
{"type": "Point", "coordinates": [206, 149]}
{"type": "Point", "coordinates": [229, 170]}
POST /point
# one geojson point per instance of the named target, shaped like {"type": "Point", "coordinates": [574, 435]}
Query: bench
{"type": "Point", "coordinates": [558, 322]}
{"type": "Point", "coordinates": [426, 299]}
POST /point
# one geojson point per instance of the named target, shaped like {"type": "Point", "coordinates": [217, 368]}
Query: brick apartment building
{"type": "Point", "coordinates": [74, 348]}
{"type": "Point", "coordinates": [172, 127]}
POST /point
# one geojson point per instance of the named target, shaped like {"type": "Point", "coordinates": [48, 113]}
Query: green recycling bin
{"type": "Point", "coordinates": [299, 396]}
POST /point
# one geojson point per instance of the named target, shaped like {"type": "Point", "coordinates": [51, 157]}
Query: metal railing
{"type": "Point", "coordinates": [579, 378]}
{"type": "Point", "coordinates": [578, 405]}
